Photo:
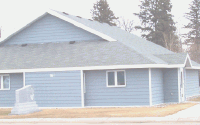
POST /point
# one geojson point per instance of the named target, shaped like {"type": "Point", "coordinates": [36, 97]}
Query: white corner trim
{"type": "Point", "coordinates": [82, 90]}
{"type": "Point", "coordinates": [150, 88]}
{"type": "Point", "coordinates": [24, 83]}
{"type": "Point", "coordinates": [81, 26]}
{"type": "Point", "coordinates": [179, 83]}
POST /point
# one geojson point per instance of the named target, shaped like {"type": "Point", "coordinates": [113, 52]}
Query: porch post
{"type": "Point", "coordinates": [150, 89]}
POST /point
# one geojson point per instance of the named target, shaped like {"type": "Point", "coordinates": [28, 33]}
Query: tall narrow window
{"type": "Point", "coordinates": [5, 82]}
{"type": "Point", "coordinates": [120, 78]}
{"type": "Point", "coordinates": [111, 78]}
{"type": "Point", "coordinates": [116, 78]}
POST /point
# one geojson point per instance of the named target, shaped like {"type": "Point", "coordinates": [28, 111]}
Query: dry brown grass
{"type": "Point", "coordinates": [101, 112]}
{"type": "Point", "coordinates": [196, 99]}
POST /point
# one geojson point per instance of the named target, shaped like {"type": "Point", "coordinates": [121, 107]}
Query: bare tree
{"type": "Point", "coordinates": [172, 41]}
{"type": "Point", "coordinates": [126, 24]}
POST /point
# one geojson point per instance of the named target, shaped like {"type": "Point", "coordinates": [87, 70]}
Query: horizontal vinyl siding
{"type": "Point", "coordinates": [170, 78]}
{"type": "Point", "coordinates": [7, 97]}
{"type": "Point", "coordinates": [135, 93]}
{"type": "Point", "coordinates": [51, 29]}
{"type": "Point", "coordinates": [62, 90]}
{"type": "Point", "coordinates": [192, 83]}
{"type": "Point", "coordinates": [157, 86]}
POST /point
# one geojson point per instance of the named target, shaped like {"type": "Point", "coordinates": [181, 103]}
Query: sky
{"type": "Point", "coordinates": [17, 13]}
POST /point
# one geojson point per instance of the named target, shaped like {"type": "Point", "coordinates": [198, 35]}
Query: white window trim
{"type": "Point", "coordinates": [2, 89]}
{"type": "Point", "coordinates": [115, 77]}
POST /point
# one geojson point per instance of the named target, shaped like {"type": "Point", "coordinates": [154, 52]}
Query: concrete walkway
{"type": "Point", "coordinates": [191, 114]}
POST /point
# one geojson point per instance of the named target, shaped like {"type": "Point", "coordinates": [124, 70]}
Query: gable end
{"type": "Point", "coordinates": [51, 29]}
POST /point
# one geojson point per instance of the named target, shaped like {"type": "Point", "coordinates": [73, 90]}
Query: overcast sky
{"type": "Point", "coordinates": [16, 13]}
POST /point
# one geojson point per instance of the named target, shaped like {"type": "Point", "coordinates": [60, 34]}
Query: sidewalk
{"type": "Point", "coordinates": [101, 120]}
{"type": "Point", "coordinates": [193, 112]}
{"type": "Point", "coordinates": [188, 115]}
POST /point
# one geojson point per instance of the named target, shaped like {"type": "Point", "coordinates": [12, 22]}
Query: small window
{"type": "Point", "coordinates": [5, 82]}
{"type": "Point", "coordinates": [116, 78]}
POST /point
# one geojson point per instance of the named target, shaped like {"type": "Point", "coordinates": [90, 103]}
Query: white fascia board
{"type": "Point", "coordinates": [193, 67]}
{"type": "Point", "coordinates": [93, 68]}
{"type": "Point", "coordinates": [188, 58]}
{"type": "Point", "coordinates": [108, 38]}
{"type": "Point", "coordinates": [23, 27]}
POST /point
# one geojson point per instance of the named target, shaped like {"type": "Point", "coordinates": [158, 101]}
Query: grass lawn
{"type": "Point", "coordinates": [154, 111]}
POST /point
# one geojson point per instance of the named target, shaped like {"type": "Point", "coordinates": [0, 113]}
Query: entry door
{"type": "Point", "coordinates": [182, 86]}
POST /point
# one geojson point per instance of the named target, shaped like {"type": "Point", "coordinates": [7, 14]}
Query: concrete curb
{"type": "Point", "coordinates": [101, 120]}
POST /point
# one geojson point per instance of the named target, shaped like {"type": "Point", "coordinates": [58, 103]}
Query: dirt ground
{"type": "Point", "coordinates": [155, 111]}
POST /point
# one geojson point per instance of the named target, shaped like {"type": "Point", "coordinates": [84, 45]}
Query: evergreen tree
{"type": "Point", "coordinates": [157, 24]}
{"type": "Point", "coordinates": [101, 12]}
{"type": "Point", "coordinates": [193, 36]}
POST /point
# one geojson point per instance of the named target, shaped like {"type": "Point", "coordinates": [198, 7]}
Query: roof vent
{"type": "Point", "coordinates": [65, 13]}
{"type": "Point", "coordinates": [78, 16]}
{"type": "Point", "coordinates": [23, 45]}
{"type": "Point", "coordinates": [71, 42]}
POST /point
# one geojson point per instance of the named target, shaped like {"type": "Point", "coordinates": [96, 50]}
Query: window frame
{"type": "Point", "coordinates": [115, 78]}
{"type": "Point", "coordinates": [1, 84]}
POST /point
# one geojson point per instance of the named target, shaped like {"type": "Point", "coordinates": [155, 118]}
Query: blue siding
{"type": "Point", "coordinates": [135, 93]}
{"type": "Point", "coordinates": [51, 29]}
{"type": "Point", "coordinates": [170, 78]}
{"type": "Point", "coordinates": [7, 97]}
{"type": "Point", "coordinates": [192, 83]}
{"type": "Point", "coordinates": [157, 86]}
{"type": "Point", "coordinates": [62, 90]}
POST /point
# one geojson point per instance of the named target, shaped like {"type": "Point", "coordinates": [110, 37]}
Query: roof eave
{"type": "Point", "coordinates": [113, 67]}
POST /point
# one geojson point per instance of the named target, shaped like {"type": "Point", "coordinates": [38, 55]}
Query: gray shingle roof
{"type": "Point", "coordinates": [176, 58]}
{"type": "Point", "coordinates": [128, 50]}
{"type": "Point", "coordinates": [51, 55]}
{"type": "Point", "coordinates": [194, 63]}
{"type": "Point", "coordinates": [138, 44]}
{"type": "Point", "coordinates": [146, 48]}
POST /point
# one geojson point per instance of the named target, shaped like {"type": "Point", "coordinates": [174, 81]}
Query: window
{"type": "Point", "coordinates": [5, 82]}
{"type": "Point", "coordinates": [116, 78]}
